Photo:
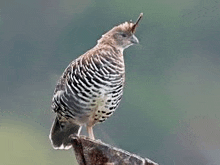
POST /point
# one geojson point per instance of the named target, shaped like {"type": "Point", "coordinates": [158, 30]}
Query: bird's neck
{"type": "Point", "coordinates": [112, 46]}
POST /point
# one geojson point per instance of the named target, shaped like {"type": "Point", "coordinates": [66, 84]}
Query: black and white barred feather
{"type": "Point", "coordinates": [91, 87]}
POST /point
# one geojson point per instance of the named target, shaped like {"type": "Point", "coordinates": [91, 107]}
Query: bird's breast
{"type": "Point", "coordinates": [92, 89]}
{"type": "Point", "coordinates": [105, 104]}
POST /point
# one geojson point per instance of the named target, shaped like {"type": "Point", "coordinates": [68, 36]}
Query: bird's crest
{"type": "Point", "coordinates": [128, 26]}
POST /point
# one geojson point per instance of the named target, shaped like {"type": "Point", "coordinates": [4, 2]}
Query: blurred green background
{"type": "Point", "coordinates": [170, 109]}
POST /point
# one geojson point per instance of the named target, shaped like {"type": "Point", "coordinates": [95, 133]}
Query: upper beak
{"type": "Point", "coordinates": [134, 39]}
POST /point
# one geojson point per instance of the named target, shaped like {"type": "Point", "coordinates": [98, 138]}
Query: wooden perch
{"type": "Point", "coordinates": [95, 152]}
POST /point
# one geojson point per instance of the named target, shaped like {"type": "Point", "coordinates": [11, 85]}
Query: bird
{"type": "Point", "coordinates": [91, 87]}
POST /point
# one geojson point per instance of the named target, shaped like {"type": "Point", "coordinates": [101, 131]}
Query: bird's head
{"type": "Point", "coordinates": [121, 36]}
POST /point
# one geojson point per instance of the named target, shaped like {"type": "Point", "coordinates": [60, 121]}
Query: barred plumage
{"type": "Point", "coordinates": [91, 87]}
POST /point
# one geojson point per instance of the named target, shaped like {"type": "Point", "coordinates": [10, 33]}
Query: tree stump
{"type": "Point", "coordinates": [95, 152]}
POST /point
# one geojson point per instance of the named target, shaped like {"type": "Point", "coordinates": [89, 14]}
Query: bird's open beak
{"type": "Point", "coordinates": [136, 23]}
{"type": "Point", "coordinates": [134, 39]}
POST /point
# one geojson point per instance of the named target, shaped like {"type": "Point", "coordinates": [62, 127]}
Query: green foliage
{"type": "Point", "coordinates": [26, 143]}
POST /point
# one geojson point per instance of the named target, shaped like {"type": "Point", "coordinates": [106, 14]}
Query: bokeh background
{"type": "Point", "coordinates": [170, 109]}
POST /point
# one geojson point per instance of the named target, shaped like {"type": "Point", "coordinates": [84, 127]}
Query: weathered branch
{"type": "Point", "coordinates": [95, 152]}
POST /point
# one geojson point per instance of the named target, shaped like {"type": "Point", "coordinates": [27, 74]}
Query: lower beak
{"type": "Point", "coordinates": [134, 39]}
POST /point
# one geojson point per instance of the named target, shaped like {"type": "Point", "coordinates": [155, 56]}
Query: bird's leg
{"type": "Point", "coordinates": [90, 132]}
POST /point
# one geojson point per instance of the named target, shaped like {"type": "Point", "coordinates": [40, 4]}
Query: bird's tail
{"type": "Point", "coordinates": [60, 133]}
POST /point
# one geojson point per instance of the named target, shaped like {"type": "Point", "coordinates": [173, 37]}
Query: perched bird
{"type": "Point", "coordinates": [91, 87]}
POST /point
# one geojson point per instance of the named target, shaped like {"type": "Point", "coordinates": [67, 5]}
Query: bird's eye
{"type": "Point", "coordinates": [124, 35]}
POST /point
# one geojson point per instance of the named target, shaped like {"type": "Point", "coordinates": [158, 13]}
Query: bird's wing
{"type": "Point", "coordinates": [69, 95]}
{"type": "Point", "coordinates": [82, 80]}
